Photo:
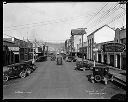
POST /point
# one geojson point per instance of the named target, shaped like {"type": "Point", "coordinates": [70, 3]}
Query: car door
{"type": "Point", "coordinates": [15, 70]}
{"type": "Point", "coordinates": [10, 71]}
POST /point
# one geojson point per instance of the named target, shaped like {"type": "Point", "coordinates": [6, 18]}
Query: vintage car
{"type": "Point", "coordinates": [70, 59]}
{"type": "Point", "coordinates": [100, 73]}
{"type": "Point", "coordinates": [59, 60]}
{"type": "Point", "coordinates": [31, 65]}
{"type": "Point", "coordinates": [15, 70]}
{"type": "Point", "coordinates": [41, 59]}
{"type": "Point", "coordinates": [81, 66]}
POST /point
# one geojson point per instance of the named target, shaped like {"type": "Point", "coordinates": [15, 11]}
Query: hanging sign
{"type": "Point", "coordinates": [13, 48]}
{"type": "Point", "coordinates": [113, 47]}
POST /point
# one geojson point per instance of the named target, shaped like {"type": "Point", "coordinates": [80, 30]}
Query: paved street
{"type": "Point", "coordinates": [58, 81]}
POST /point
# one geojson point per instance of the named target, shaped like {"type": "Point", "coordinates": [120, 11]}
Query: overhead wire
{"type": "Point", "coordinates": [24, 27]}
{"type": "Point", "coordinates": [97, 13]}
{"type": "Point", "coordinates": [110, 11]}
{"type": "Point", "coordinates": [44, 23]}
{"type": "Point", "coordinates": [117, 17]}
{"type": "Point", "coordinates": [102, 16]}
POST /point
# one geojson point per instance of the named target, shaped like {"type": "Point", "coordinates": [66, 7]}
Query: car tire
{"type": "Point", "coordinates": [22, 74]}
{"type": "Point", "coordinates": [5, 78]}
{"type": "Point", "coordinates": [29, 72]}
{"type": "Point", "coordinates": [97, 78]}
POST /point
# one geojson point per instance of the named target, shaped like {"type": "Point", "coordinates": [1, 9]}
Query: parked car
{"type": "Point", "coordinates": [15, 70]}
{"type": "Point", "coordinates": [31, 65]}
{"type": "Point", "coordinates": [86, 65]}
{"type": "Point", "coordinates": [41, 59]}
{"type": "Point", "coordinates": [100, 73]}
{"type": "Point", "coordinates": [69, 59]}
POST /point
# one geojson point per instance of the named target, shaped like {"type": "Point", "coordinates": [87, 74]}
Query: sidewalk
{"type": "Point", "coordinates": [114, 71]}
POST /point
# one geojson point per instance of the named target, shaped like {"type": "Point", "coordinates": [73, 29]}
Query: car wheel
{"type": "Point", "coordinates": [5, 78]}
{"type": "Point", "coordinates": [97, 78]}
{"type": "Point", "coordinates": [29, 71]}
{"type": "Point", "coordinates": [23, 74]}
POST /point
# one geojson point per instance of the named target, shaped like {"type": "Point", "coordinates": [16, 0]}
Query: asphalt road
{"type": "Point", "coordinates": [58, 81]}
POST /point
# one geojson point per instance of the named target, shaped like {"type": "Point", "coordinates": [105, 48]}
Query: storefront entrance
{"type": "Point", "coordinates": [99, 58]}
{"type": "Point", "coordinates": [16, 58]}
{"type": "Point", "coordinates": [118, 61]}
{"type": "Point", "coordinates": [124, 62]}
{"type": "Point", "coordinates": [105, 59]}
{"type": "Point", "coordinates": [112, 60]}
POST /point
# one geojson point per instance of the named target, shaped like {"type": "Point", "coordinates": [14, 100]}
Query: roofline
{"type": "Point", "coordinates": [99, 29]}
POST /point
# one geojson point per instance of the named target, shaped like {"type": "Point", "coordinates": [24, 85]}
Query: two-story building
{"type": "Point", "coordinates": [109, 44]}
{"type": "Point", "coordinates": [102, 34]}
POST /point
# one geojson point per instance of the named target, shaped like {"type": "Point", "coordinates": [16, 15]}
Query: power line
{"type": "Point", "coordinates": [97, 21]}
{"type": "Point", "coordinates": [108, 13]}
{"type": "Point", "coordinates": [40, 24]}
{"type": "Point", "coordinates": [45, 23]}
{"type": "Point", "coordinates": [97, 13]}
{"type": "Point", "coordinates": [117, 17]}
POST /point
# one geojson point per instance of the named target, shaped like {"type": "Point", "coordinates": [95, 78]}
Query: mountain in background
{"type": "Point", "coordinates": [55, 46]}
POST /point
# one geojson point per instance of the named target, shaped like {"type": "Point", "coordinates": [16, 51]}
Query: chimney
{"type": "Point", "coordinates": [122, 28]}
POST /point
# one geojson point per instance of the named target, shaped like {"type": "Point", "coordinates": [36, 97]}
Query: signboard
{"type": "Point", "coordinates": [79, 31]}
{"type": "Point", "coordinates": [16, 52]}
{"type": "Point", "coordinates": [113, 47]}
{"type": "Point", "coordinates": [13, 48]}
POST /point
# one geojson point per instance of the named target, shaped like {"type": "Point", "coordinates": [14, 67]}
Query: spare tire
{"type": "Point", "coordinates": [5, 78]}
{"type": "Point", "coordinates": [97, 78]}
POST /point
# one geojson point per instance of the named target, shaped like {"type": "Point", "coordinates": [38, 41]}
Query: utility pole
{"type": "Point", "coordinates": [33, 53]}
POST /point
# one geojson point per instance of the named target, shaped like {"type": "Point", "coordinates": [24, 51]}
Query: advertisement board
{"type": "Point", "coordinates": [113, 47]}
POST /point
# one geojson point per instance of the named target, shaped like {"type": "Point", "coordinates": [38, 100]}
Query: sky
{"type": "Point", "coordinates": [53, 21]}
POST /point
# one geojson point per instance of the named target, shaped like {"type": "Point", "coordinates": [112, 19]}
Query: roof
{"type": "Point", "coordinates": [78, 31]}
{"type": "Point", "coordinates": [8, 40]}
{"type": "Point", "coordinates": [99, 29]}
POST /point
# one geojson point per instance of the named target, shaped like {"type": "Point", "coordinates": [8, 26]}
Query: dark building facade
{"type": "Point", "coordinates": [16, 50]}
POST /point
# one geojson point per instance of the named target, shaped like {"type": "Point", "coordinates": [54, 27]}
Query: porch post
{"type": "Point", "coordinates": [120, 61]}
{"type": "Point", "coordinates": [115, 59]}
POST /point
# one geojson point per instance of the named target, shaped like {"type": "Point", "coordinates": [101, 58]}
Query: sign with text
{"type": "Point", "coordinates": [14, 48]}
{"type": "Point", "coordinates": [113, 47]}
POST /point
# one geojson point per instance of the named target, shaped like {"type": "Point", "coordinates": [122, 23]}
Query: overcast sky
{"type": "Point", "coordinates": [54, 21]}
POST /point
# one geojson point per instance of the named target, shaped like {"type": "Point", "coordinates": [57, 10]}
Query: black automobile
{"type": "Point", "coordinates": [31, 65]}
{"type": "Point", "coordinates": [15, 70]}
{"type": "Point", "coordinates": [41, 59]}
{"type": "Point", "coordinates": [100, 73]}
{"type": "Point", "coordinates": [83, 65]}
{"type": "Point", "coordinates": [69, 59]}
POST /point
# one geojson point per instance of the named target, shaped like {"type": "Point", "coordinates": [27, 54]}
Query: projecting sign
{"type": "Point", "coordinates": [113, 47]}
{"type": "Point", "coordinates": [14, 48]}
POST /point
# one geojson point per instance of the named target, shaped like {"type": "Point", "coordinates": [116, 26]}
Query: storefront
{"type": "Point", "coordinates": [113, 54]}
{"type": "Point", "coordinates": [16, 53]}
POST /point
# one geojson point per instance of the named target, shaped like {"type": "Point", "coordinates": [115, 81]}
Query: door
{"type": "Point", "coordinates": [124, 62]}
{"type": "Point", "coordinates": [99, 58]}
{"type": "Point", "coordinates": [105, 59]}
{"type": "Point", "coordinates": [112, 60]}
{"type": "Point", "coordinates": [16, 58]}
{"type": "Point", "coordinates": [118, 61]}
